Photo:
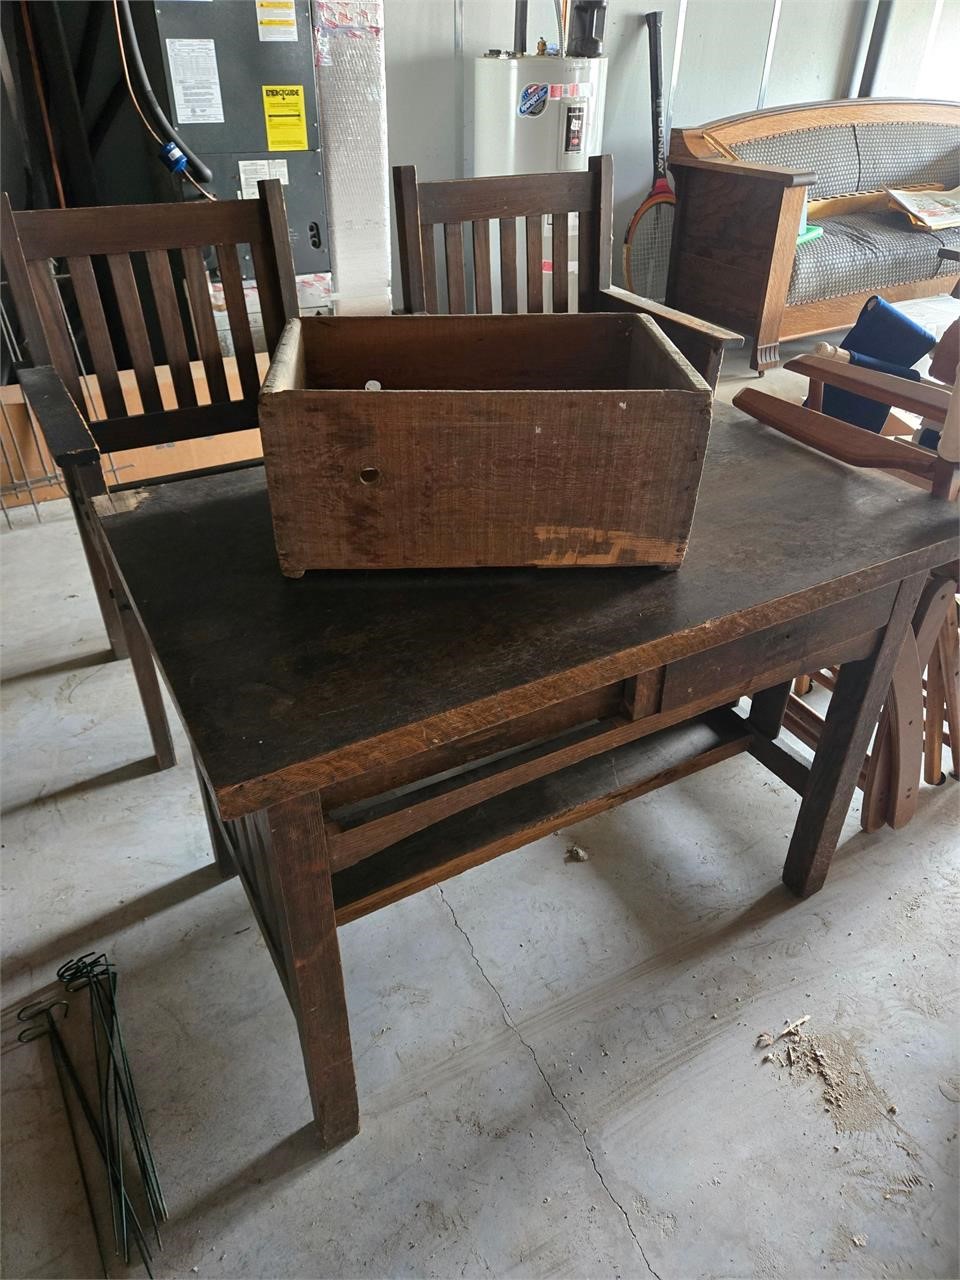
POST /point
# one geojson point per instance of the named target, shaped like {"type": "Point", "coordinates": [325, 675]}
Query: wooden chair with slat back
{"type": "Point", "coordinates": [910, 732]}
{"type": "Point", "coordinates": [126, 270]}
{"type": "Point", "coordinates": [422, 207]}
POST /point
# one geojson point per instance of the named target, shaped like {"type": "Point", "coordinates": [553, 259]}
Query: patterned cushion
{"type": "Point", "coordinates": [863, 157]}
{"type": "Point", "coordinates": [830, 152]}
{"type": "Point", "coordinates": [867, 251]}
{"type": "Point", "coordinates": [898, 154]}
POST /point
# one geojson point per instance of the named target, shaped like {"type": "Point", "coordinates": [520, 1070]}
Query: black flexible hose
{"type": "Point", "coordinates": [198, 168]}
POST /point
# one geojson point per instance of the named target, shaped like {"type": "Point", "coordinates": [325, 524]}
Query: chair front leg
{"type": "Point", "coordinates": [145, 673]}
{"type": "Point", "coordinates": [82, 483]}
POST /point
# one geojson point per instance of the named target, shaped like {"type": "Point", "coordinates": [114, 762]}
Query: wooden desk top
{"type": "Point", "coordinates": [283, 683]}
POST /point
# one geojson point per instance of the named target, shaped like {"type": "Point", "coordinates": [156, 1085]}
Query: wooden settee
{"type": "Point", "coordinates": [741, 184]}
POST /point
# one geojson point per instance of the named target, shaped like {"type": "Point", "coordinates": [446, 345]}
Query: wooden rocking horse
{"type": "Point", "coordinates": [910, 734]}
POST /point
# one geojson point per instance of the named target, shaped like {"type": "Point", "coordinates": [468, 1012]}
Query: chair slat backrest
{"type": "Point", "coordinates": [168, 314]}
{"type": "Point", "coordinates": [135, 329]}
{"type": "Point", "coordinates": [508, 264]}
{"type": "Point", "coordinates": [94, 322]}
{"type": "Point", "coordinates": [130, 271]}
{"type": "Point", "coordinates": [467, 286]}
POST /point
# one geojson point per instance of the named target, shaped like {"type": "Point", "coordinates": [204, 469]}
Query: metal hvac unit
{"type": "Point", "coordinates": [236, 78]}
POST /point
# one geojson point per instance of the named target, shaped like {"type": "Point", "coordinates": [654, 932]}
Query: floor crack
{"type": "Point", "coordinates": [553, 1093]}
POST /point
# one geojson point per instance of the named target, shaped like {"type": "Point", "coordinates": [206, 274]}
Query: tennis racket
{"type": "Point", "coordinates": [646, 246]}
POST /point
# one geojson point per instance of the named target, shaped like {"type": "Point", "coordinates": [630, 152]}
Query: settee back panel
{"type": "Point", "coordinates": [885, 141]}
{"type": "Point", "coordinates": [690, 140]}
{"type": "Point", "coordinates": [863, 157]}
{"type": "Point", "coordinates": [907, 153]}
{"type": "Point", "coordinates": [828, 151]}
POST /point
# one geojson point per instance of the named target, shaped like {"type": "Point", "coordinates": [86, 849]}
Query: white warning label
{"type": "Point", "coordinates": [196, 81]}
{"type": "Point", "coordinates": [276, 20]}
{"type": "Point", "coordinates": [254, 171]}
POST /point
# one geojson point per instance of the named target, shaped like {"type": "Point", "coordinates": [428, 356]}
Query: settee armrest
{"type": "Point", "coordinates": [740, 169]}
{"type": "Point", "coordinates": [66, 433]}
{"type": "Point", "coordinates": [700, 341]}
{"type": "Point", "coordinates": [734, 243]}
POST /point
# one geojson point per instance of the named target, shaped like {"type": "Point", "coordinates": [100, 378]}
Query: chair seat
{"type": "Point", "coordinates": [863, 252]}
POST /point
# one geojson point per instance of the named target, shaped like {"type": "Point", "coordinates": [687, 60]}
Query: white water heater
{"type": "Point", "coordinates": [536, 113]}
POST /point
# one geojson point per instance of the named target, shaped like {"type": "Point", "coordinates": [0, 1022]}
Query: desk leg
{"type": "Point", "coordinates": [853, 713]}
{"type": "Point", "coordinates": [222, 853]}
{"type": "Point", "coordinates": [299, 868]}
{"type": "Point", "coordinates": [767, 709]}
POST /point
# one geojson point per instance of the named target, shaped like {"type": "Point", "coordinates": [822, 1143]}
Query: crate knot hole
{"type": "Point", "coordinates": [369, 475]}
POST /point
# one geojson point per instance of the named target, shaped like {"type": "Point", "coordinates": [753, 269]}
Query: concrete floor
{"type": "Point", "coordinates": [556, 1060]}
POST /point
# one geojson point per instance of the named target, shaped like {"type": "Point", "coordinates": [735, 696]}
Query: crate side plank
{"type": "Point", "coordinates": [472, 353]}
{"type": "Point", "coordinates": [656, 362]}
{"type": "Point", "coordinates": [411, 480]}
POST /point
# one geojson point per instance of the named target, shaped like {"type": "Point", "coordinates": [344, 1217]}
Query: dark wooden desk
{"type": "Point", "coordinates": [361, 736]}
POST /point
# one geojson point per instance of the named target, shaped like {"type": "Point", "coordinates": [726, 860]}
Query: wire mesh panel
{"type": "Point", "coordinates": [27, 472]}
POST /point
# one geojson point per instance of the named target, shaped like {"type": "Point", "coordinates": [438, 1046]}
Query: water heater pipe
{"type": "Point", "coordinates": [520, 26]}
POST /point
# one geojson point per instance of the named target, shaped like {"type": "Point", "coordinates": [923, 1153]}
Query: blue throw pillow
{"type": "Point", "coordinates": [883, 339]}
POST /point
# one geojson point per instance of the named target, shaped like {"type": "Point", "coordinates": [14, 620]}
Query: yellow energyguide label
{"type": "Point", "coordinates": [285, 117]}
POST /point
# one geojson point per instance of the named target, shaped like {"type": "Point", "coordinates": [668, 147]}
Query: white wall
{"type": "Point", "coordinates": [922, 50]}
{"type": "Point", "coordinates": [830, 30]}
{"type": "Point", "coordinates": [719, 74]}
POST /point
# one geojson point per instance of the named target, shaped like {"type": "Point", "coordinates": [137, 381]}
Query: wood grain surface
{"type": "Point", "coordinates": [466, 207]}
{"type": "Point", "coordinates": [721, 257]}
{"type": "Point", "coordinates": [805, 318]}
{"type": "Point", "coordinates": [775, 121]}
{"type": "Point", "coordinates": [529, 812]}
{"type": "Point", "coordinates": [426, 472]}
{"type": "Point", "coordinates": [285, 686]}
{"type": "Point", "coordinates": [850, 721]}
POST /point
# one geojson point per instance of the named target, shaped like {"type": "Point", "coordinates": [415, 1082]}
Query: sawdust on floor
{"type": "Point", "coordinates": [855, 1101]}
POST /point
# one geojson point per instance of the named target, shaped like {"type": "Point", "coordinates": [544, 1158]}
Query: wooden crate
{"type": "Point", "coordinates": [402, 442]}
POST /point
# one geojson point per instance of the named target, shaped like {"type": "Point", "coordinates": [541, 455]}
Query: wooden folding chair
{"type": "Point", "coordinates": [910, 731]}
{"type": "Point", "coordinates": [474, 203]}
{"type": "Point", "coordinates": [133, 263]}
